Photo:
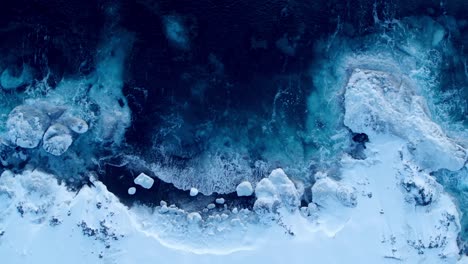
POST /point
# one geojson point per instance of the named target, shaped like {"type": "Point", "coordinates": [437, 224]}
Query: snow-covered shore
{"type": "Point", "coordinates": [42, 221]}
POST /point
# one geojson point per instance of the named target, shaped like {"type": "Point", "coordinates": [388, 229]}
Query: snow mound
{"type": "Point", "coordinates": [378, 102]}
{"type": "Point", "coordinates": [276, 191]}
{"type": "Point", "coordinates": [244, 189]}
{"type": "Point", "coordinates": [327, 192]}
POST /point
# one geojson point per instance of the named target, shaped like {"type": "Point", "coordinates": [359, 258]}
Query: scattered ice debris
{"type": "Point", "coordinates": [131, 190]}
{"type": "Point", "coordinates": [244, 189]}
{"type": "Point", "coordinates": [211, 206]}
{"type": "Point", "coordinates": [193, 191]}
{"type": "Point", "coordinates": [144, 181]}
{"type": "Point", "coordinates": [276, 191]}
{"type": "Point", "coordinates": [220, 201]}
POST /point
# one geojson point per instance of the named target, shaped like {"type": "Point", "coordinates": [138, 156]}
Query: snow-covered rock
{"type": "Point", "coordinates": [220, 200]}
{"type": "Point", "coordinates": [144, 181]}
{"type": "Point", "coordinates": [244, 189]}
{"type": "Point", "coordinates": [379, 102]}
{"type": "Point", "coordinates": [57, 139]}
{"type": "Point", "coordinates": [276, 191]}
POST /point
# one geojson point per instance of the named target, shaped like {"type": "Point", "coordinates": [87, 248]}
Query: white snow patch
{"type": "Point", "coordinates": [220, 201]}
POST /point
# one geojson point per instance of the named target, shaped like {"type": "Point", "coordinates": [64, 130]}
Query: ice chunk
{"type": "Point", "coordinates": [275, 191]}
{"type": "Point", "coordinates": [211, 206]}
{"type": "Point", "coordinates": [26, 126]}
{"type": "Point", "coordinates": [193, 191]}
{"type": "Point", "coordinates": [244, 189]}
{"type": "Point", "coordinates": [131, 190]}
{"type": "Point", "coordinates": [144, 181]}
{"type": "Point", "coordinates": [220, 201]}
{"type": "Point", "coordinates": [57, 139]}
